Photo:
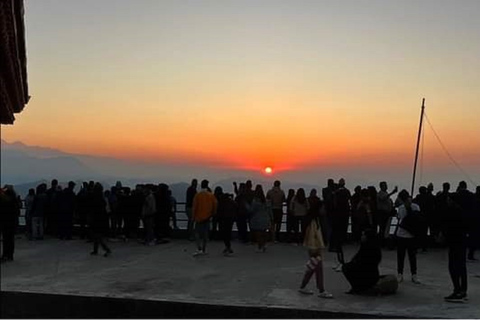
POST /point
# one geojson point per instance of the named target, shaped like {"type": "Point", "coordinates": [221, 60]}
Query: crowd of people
{"type": "Point", "coordinates": [447, 218]}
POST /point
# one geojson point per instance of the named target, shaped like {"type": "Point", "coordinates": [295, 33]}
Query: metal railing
{"type": "Point", "coordinates": [182, 219]}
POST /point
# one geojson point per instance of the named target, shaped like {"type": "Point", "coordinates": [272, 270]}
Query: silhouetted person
{"type": "Point", "coordinates": [314, 208]}
{"type": "Point", "coordinates": [226, 213]}
{"type": "Point", "coordinates": [300, 208]}
{"type": "Point", "coordinates": [423, 201]}
{"type": "Point", "coordinates": [242, 213]}
{"type": "Point", "coordinates": [133, 216]}
{"type": "Point", "coordinates": [276, 198]}
{"type": "Point", "coordinates": [204, 207]}
{"type": "Point", "coordinates": [431, 213]}
{"type": "Point", "coordinates": [340, 219]}
{"type": "Point", "coordinates": [290, 217]}
{"type": "Point", "coordinates": [115, 224]}
{"type": "Point", "coordinates": [162, 217]}
{"type": "Point", "coordinates": [66, 212]}
{"type": "Point", "coordinates": [365, 212]}
{"type": "Point", "coordinates": [149, 209]}
{"type": "Point", "coordinates": [39, 208]}
{"type": "Point", "coordinates": [173, 209]}
{"type": "Point", "coordinates": [385, 210]}
{"type": "Point", "coordinates": [99, 220]}
{"type": "Point", "coordinates": [327, 195]}
{"type": "Point", "coordinates": [406, 241]}
{"type": "Point", "coordinates": [51, 215]}
{"type": "Point", "coordinates": [9, 213]}
{"type": "Point", "coordinates": [82, 210]}
{"type": "Point", "coordinates": [191, 192]}
{"type": "Point", "coordinates": [356, 222]}
{"type": "Point", "coordinates": [28, 212]}
{"type": "Point", "coordinates": [474, 233]}
{"type": "Point", "coordinates": [362, 271]}
{"type": "Point", "coordinates": [260, 218]}
{"type": "Point", "coordinates": [442, 205]}
{"type": "Point", "coordinates": [455, 230]}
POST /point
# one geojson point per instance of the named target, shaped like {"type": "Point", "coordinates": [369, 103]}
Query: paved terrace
{"type": "Point", "coordinates": [165, 280]}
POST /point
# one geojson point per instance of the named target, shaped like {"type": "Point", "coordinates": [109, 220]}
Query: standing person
{"type": "Point", "coordinates": [99, 220]}
{"type": "Point", "coordinates": [441, 203]}
{"type": "Point", "coordinates": [226, 212]}
{"type": "Point", "coordinates": [51, 215]}
{"type": "Point", "coordinates": [9, 213]}
{"type": "Point", "coordinates": [162, 217]}
{"type": "Point", "coordinates": [66, 211]}
{"type": "Point", "coordinates": [173, 209]}
{"type": "Point", "coordinates": [474, 232]}
{"type": "Point", "coordinates": [406, 241]}
{"type": "Point", "coordinates": [340, 218]}
{"type": "Point", "coordinates": [431, 213]}
{"type": "Point", "coordinates": [28, 212]}
{"type": "Point", "coordinates": [40, 205]}
{"type": "Point", "coordinates": [204, 207]}
{"type": "Point", "coordinates": [82, 209]}
{"type": "Point", "coordinates": [314, 211]}
{"type": "Point", "coordinates": [290, 217]}
{"type": "Point", "coordinates": [384, 210]}
{"type": "Point", "coordinates": [242, 213]}
{"type": "Point", "coordinates": [327, 195]}
{"type": "Point", "coordinates": [191, 192]}
{"type": "Point", "coordinates": [356, 226]}
{"type": "Point", "coordinates": [455, 227]}
{"type": "Point", "coordinates": [260, 218]}
{"type": "Point", "coordinates": [276, 197]}
{"type": "Point", "coordinates": [314, 242]}
{"type": "Point", "coordinates": [148, 216]}
{"type": "Point", "coordinates": [423, 202]}
{"type": "Point", "coordinates": [365, 212]}
{"type": "Point", "coordinates": [300, 208]}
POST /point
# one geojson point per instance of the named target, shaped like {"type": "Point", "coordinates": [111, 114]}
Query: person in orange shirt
{"type": "Point", "coordinates": [204, 207]}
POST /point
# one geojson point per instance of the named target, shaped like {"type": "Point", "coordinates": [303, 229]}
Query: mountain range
{"type": "Point", "coordinates": [27, 166]}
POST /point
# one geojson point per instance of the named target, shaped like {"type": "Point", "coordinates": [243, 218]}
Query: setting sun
{"type": "Point", "coordinates": [268, 170]}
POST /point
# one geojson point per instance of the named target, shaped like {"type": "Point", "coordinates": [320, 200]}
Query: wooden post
{"type": "Point", "coordinates": [418, 145]}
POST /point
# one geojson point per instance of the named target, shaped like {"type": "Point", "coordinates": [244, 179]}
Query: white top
{"type": "Point", "coordinates": [402, 213]}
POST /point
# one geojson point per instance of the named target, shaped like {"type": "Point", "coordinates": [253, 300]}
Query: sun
{"type": "Point", "coordinates": [268, 170]}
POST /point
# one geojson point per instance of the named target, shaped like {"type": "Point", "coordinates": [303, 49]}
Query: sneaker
{"type": "Point", "coordinates": [338, 268]}
{"type": "Point", "coordinates": [400, 278]}
{"type": "Point", "coordinates": [198, 253]}
{"type": "Point", "coordinates": [305, 291]}
{"type": "Point", "coordinates": [325, 295]}
{"type": "Point", "coordinates": [455, 297]}
{"type": "Point", "coordinates": [415, 279]}
{"type": "Point", "coordinates": [94, 253]}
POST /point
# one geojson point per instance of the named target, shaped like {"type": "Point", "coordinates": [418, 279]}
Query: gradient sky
{"type": "Point", "coordinates": [244, 84]}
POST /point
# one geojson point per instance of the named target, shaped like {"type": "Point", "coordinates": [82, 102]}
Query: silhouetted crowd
{"type": "Point", "coordinates": [148, 213]}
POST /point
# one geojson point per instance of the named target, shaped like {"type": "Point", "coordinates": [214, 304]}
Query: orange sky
{"type": "Point", "coordinates": [288, 86]}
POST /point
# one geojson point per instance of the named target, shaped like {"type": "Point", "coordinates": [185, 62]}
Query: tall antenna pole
{"type": "Point", "coordinates": [418, 145]}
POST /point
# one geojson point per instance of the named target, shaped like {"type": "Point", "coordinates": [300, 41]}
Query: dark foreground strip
{"type": "Point", "coordinates": [41, 305]}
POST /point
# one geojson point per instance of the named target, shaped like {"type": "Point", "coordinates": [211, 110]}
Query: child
{"type": "Point", "coordinates": [313, 240]}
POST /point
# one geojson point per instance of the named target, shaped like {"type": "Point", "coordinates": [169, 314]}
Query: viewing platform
{"type": "Point", "coordinates": [60, 279]}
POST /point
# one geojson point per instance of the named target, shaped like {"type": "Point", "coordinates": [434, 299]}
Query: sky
{"type": "Point", "coordinates": [299, 86]}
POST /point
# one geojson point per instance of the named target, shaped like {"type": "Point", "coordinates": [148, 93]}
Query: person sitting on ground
{"type": "Point", "coordinates": [362, 271]}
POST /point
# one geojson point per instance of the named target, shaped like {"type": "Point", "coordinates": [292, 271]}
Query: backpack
{"type": "Point", "coordinates": [414, 222]}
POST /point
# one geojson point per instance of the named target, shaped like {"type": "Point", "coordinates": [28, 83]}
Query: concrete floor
{"type": "Point", "coordinates": [169, 272]}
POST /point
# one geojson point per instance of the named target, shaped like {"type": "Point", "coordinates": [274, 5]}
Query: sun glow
{"type": "Point", "coordinates": [268, 170]}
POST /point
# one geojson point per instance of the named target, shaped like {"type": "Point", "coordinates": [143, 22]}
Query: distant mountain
{"type": "Point", "coordinates": [19, 166]}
